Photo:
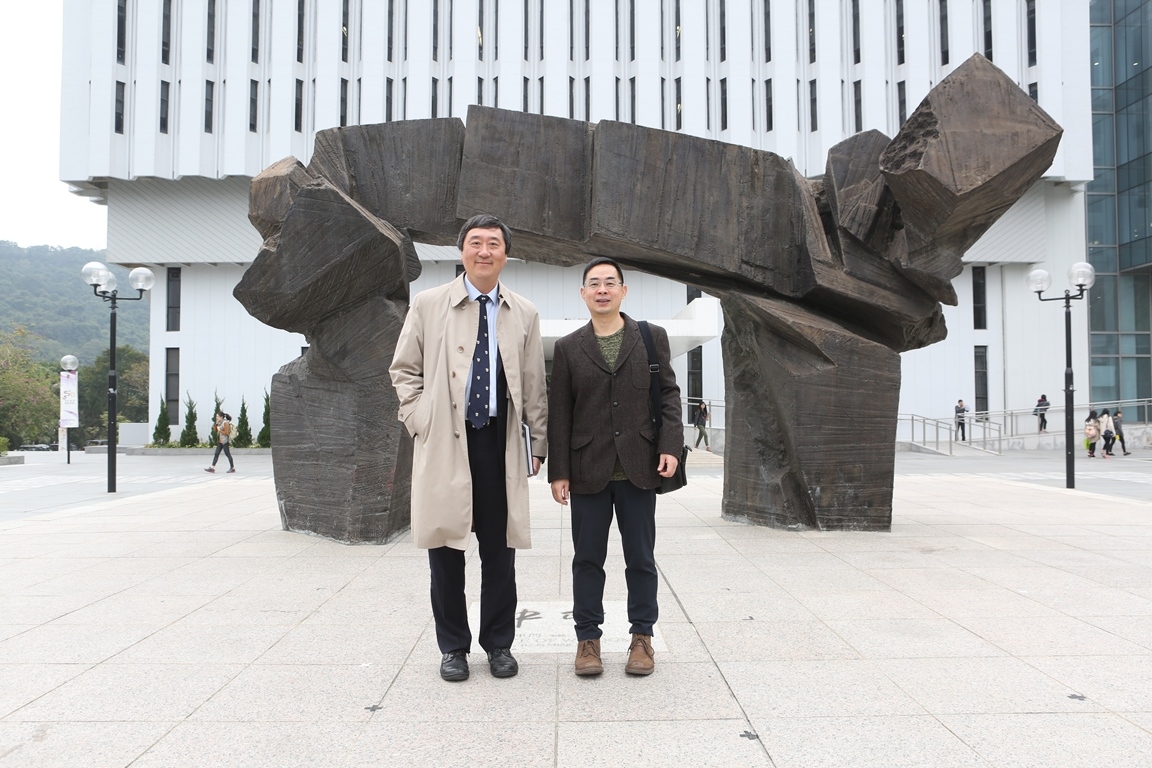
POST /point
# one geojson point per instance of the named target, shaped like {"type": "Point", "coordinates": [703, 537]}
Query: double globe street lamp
{"type": "Point", "coordinates": [1081, 276]}
{"type": "Point", "coordinates": [103, 284]}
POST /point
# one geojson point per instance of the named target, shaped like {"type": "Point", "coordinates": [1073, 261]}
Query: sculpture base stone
{"type": "Point", "coordinates": [331, 479]}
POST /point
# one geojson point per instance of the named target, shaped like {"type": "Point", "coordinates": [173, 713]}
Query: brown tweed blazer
{"type": "Point", "coordinates": [596, 413]}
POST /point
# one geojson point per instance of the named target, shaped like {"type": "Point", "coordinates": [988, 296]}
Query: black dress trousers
{"type": "Point", "coordinates": [497, 560]}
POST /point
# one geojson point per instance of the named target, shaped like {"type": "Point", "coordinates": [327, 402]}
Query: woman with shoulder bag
{"type": "Point", "coordinates": [1107, 432]}
{"type": "Point", "coordinates": [1091, 432]}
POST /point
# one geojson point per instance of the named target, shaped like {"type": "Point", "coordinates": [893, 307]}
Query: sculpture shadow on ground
{"type": "Point", "coordinates": [823, 282]}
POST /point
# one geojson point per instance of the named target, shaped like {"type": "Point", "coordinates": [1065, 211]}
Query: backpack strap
{"type": "Point", "coordinates": [654, 371]}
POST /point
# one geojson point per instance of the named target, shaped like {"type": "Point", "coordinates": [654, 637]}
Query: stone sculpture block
{"type": "Point", "coordinates": [822, 281]}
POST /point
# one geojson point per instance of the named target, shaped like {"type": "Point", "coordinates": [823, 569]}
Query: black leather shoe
{"type": "Point", "coordinates": [454, 666]}
{"type": "Point", "coordinates": [501, 662]}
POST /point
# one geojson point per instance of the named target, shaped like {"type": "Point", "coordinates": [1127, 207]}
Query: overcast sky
{"type": "Point", "coordinates": [36, 208]}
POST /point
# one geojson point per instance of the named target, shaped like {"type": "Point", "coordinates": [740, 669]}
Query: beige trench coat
{"type": "Point", "coordinates": [430, 371]}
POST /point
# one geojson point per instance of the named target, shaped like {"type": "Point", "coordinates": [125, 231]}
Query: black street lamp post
{"type": "Point", "coordinates": [103, 284]}
{"type": "Point", "coordinates": [1081, 276]}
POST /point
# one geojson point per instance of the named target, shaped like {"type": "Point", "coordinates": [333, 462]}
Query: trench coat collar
{"type": "Point", "coordinates": [591, 347]}
{"type": "Point", "coordinates": [458, 292]}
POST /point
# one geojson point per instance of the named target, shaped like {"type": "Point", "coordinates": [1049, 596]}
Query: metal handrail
{"type": "Point", "coordinates": [1022, 421]}
{"type": "Point", "coordinates": [980, 435]}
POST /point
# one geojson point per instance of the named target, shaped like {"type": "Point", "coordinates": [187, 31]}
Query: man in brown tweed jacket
{"type": "Point", "coordinates": [605, 454]}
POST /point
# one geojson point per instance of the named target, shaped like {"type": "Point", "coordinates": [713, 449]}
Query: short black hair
{"type": "Point", "coordinates": [485, 221]}
{"type": "Point", "coordinates": [602, 260]}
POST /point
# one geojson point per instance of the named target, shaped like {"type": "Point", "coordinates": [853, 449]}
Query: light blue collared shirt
{"type": "Point", "coordinates": [493, 304]}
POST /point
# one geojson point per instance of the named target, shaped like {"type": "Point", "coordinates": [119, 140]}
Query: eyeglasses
{"type": "Point", "coordinates": [595, 284]}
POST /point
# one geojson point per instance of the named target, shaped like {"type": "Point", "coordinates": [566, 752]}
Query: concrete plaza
{"type": "Point", "coordinates": [1004, 621]}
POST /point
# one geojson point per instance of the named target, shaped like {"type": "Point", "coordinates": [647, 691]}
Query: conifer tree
{"type": "Point", "coordinates": [264, 439]}
{"type": "Point", "coordinates": [162, 435]}
{"type": "Point", "coordinates": [189, 437]}
{"type": "Point", "coordinates": [243, 438]}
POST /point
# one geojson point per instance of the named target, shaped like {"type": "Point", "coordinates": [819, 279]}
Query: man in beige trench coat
{"type": "Point", "coordinates": [468, 370]}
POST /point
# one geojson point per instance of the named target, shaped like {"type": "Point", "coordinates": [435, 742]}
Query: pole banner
{"type": "Point", "coordinates": [69, 400]}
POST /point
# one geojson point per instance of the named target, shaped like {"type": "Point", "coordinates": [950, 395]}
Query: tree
{"type": "Point", "coordinates": [217, 407]}
{"type": "Point", "coordinates": [29, 394]}
{"type": "Point", "coordinates": [162, 435]}
{"type": "Point", "coordinates": [189, 438]}
{"type": "Point", "coordinates": [264, 439]}
{"type": "Point", "coordinates": [243, 438]}
{"type": "Point", "coordinates": [131, 389]}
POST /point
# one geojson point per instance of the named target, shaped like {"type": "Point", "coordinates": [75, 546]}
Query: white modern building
{"type": "Point", "coordinates": [170, 107]}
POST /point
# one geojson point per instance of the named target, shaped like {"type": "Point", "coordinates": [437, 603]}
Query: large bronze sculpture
{"type": "Point", "coordinates": [823, 282]}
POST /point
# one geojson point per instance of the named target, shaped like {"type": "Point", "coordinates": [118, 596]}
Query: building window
{"type": "Point", "coordinates": [1034, 91]}
{"type": "Point", "coordinates": [943, 32]}
{"type": "Point", "coordinates": [723, 103]}
{"type": "Point", "coordinates": [300, 31]}
{"type": "Point", "coordinates": [587, 30]}
{"type": "Point", "coordinates": [696, 375]}
{"type": "Point", "coordinates": [752, 101]}
{"type": "Point", "coordinates": [435, 97]}
{"type": "Point", "coordinates": [388, 100]}
{"type": "Point", "coordinates": [210, 46]}
{"type": "Point", "coordinates": [480, 92]}
{"type": "Point", "coordinates": [173, 299]}
{"type": "Point", "coordinates": [632, 100]}
{"type": "Point", "coordinates": [811, 31]}
{"type": "Point", "coordinates": [692, 293]}
{"type": "Point", "coordinates": [979, 298]}
{"type": "Point", "coordinates": [119, 113]}
{"type": "Point", "coordinates": [164, 87]}
{"type": "Point", "coordinates": [676, 21]}
{"type": "Point", "coordinates": [480, 30]}
{"type": "Point", "coordinates": [527, 87]}
{"type": "Point", "coordinates": [708, 103]}
{"type": "Point", "coordinates": [899, 31]}
{"type": "Point", "coordinates": [902, 101]}
{"type": "Point", "coordinates": [663, 103]}
{"type": "Point", "coordinates": [253, 105]}
{"type": "Point", "coordinates": [987, 29]}
{"type": "Point", "coordinates": [209, 96]}
{"type": "Point", "coordinates": [344, 34]}
{"type": "Point", "coordinates": [344, 102]}
{"type": "Point", "coordinates": [588, 98]}
{"type": "Point", "coordinates": [391, 26]}
{"type": "Point", "coordinates": [1031, 13]}
{"type": "Point", "coordinates": [855, 31]}
{"type": "Point", "coordinates": [403, 97]}
{"type": "Point", "coordinates": [617, 99]}
{"type": "Point", "coordinates": [255, 31]}
{"type": "Point", "coordinates": [858, 105]}
{"type": "Point", "coordinates": [540, 83]}
{"type": "Point", "coordinates": [679, 107]}
{"type": "Point", "coordinates": [631, 31]}
{"type": "Point", "coordinates": [981, 383]}
{"type": "Point", "coordinates": [812, 121]}
{"type": "Point", "coordinates": [121, 30]}
{"type": "Point", "coordinates": [300, 105]}
{"type": "Point", "coordinates": [768, 105]}
{"type": "Point", "coordinates": [723, 31]}
{"type": "Point", "coordinates": [449, 110]}
{"type": "Point", "coordinates": [166, 32]}
{"type": "Point", "coordinates": [172, 383]}
{"type": "Point", "coordinates": [767, 30]}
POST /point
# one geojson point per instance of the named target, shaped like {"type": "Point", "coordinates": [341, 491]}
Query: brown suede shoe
{"type": "Point", "coordinates": [640, 656]}
{"type": "Point", "coordinates": [588, 658]}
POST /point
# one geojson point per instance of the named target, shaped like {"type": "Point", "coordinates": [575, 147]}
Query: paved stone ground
{"type": "Point", "coordinates": [1004, 621]}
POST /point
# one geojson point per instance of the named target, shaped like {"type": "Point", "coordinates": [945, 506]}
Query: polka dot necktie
{"type": "Point", "coordinates": [478, 398]}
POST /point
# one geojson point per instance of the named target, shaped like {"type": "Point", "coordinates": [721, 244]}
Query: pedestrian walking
{"type": "Point", "coordinates": [1118, 428]}
{"type": "Point", "coordinates": [961, 409]}
{"type": "Point", "coordinates": [700, 420]}
{"type": "Point", "coordinates": [223, 439]}
{"type": "Point", "coordinates": [1041, 412]}
{"type": "Point", "coordinates": [1091, 432]}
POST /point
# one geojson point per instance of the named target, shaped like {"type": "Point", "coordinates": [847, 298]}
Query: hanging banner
{"type": "Point", "coordinates": [69, 400]}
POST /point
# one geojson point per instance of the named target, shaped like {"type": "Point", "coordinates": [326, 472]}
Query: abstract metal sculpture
{"type": "Point", "coordinates": [823, 282]}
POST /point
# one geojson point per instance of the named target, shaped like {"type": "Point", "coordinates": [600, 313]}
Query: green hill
{"type": "Point", "coordinates": [41, 290]}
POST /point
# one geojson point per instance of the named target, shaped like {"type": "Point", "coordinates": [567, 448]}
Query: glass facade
{"type": "Point", "coordinates": [1119, 207]}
